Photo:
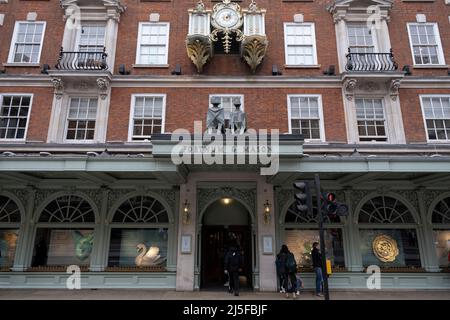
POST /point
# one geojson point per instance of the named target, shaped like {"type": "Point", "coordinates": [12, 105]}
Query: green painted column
{"type": "Point", "coordinates": [425, 237]}
{"type": "Point", "coordinates": [25, 243]}
{"type": "Point", "coordinates": [351, 236]}
{"type": "Point", "coordinates": [99, 256]}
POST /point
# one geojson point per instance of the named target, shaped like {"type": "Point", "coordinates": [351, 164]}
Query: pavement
{"type": "Point", "coordinates": [151, 294]}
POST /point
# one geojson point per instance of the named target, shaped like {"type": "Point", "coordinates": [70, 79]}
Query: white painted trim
{"type": "Point", "coordinates": [138, 48]}
{"type": "Point", "coordinates": [438, 41]}
{"type": "Point", "coordinates": [14, 39]}
{"type": "Point", "coordinates": [321, 119]}
{"type": "Point", "coordinates": [66, 114]}
{"type": "Point", "coordinates": [31, 95]}
{"type": "Point", "coordinates": [387, 122]}
{"type": "Point", "coordinates": [421, 97]}
{"type": "Point", "coordinates": [132, 104]}
{"type": "Point", "coordinates": [313, 35]}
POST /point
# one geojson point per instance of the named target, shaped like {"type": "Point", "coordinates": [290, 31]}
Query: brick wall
{"type": "Point", "coordinates": [266, 109]}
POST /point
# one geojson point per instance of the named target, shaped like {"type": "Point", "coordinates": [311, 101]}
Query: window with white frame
{"type": "Point", "coordinates": [14, 115]}
{"type": "Point", "coordinates": [26, 45]}
{"type": "Point", "coordinates": [371, 119]}
{"type": "Point", "coordinates": [425, 44]}
{"type": "Point", "coordinates": [436, 113]}
{"type": "Point", "coordinates": [153, 43]}
{"type": "Point", "coordinates": [148, 112]}
{"type": "Point", "coordinates": [360, 38]}
{"type": "Point", "coordinates": [300, 44]}
{"type": "Point", "coordinates": [305, 116]}
{"type": "Point", "coordinates": [92, 38]}
{"type": "Point", "coordinates": [81, 118]}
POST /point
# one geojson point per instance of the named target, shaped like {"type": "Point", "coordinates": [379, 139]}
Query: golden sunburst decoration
{"type": "Point", "coordinates": [385, 248]}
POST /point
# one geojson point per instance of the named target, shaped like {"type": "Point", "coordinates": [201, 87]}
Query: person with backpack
{"type": "Point", "coordinates": [233, 265]}
{"type": "Point", "coordinates": [288, 267]}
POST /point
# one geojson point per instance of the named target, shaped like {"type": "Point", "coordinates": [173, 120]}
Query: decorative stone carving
{"type": "Point", "coordinates": [349, 87]}
{"type": "Point", "coordinates": [253, 50]}
{"type": "Point", "coordinates": [199, 50]}
{"type": "Point", "coordinates": [215, 118]}
{"type": "Point", "coordinates": [393, 88]}
{"type": "Point", "coordinates": [238, 118]}
{"type": "Point", "coordinates": [429, 196]}
{"type": "Point", "coordinates": [411, 196]}
{"type": "Point", "coordinates": [59, 87]}
{"type": "Point", "coordinates": [370, 86]}
{"type": "Point", "coordinates": [206, 195]}
{"type": "Point", "coordinates": [169, 195]}
{"type": "Point", "coordinates": [103, 85]}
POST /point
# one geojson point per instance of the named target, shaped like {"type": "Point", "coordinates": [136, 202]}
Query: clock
{"type": "Point", "coordinates": [227, 16]}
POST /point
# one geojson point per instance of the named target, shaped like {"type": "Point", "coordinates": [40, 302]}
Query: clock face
{"type": "Point", "coordinates": [227, 18]}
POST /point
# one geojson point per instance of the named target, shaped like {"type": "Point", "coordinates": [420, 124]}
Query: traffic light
{"type": "Point", "coordinates": [303, 198]}
{"type": "Point", "coordinates": [333, 207]}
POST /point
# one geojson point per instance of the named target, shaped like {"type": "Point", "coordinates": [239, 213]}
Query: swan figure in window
{"type": "Point", "coordinates": [148, 258]}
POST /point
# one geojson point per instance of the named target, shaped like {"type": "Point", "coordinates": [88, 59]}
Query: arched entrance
{"type": "Point", "coordinates": [225, 220]}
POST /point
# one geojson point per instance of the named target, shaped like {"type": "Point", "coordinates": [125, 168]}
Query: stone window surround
{"type": "Point", "coordinates": [71, 32]}
{"type": "Point", "coordinates": [381, 37]}
{"type": "Point", "coordinates": [393, 119]}
{"type": "Point", "coordinates": [58, 120]}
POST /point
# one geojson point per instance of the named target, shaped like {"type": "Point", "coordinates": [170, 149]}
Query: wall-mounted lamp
{"type": "Point", "coordinates": [266, 213]}
{"type": "Point", "coordinates": [186, 212]}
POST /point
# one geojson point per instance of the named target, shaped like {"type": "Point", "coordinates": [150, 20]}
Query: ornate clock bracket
{"type": "Point", "coordinates": [226, 19]}
{"type": "Point", "coordinates": [198, 41]}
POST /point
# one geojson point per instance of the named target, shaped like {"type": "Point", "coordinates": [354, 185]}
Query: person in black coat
{"type": "Point", "coordinates": [317, 266]}
{"type": "Point", "coordinates": [233, 265]}
{"type": "Point", "coordinates": [288, 275]}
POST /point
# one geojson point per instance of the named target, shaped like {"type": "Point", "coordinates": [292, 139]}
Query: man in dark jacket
{"type": "Point", "coordinates": [233, 265]}
{"type": "Point", "coordinates": [317, 265]}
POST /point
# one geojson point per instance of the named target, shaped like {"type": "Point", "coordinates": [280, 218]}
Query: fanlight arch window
{"type": "Point", "coordinates": [140, 234]}
{"type": "Point", "coordinates": [68, 208]}
{"type": "Point", "coordinates": [441, 212]}
{"type": "Point", "coordinates": [9, 210]}
{"type": "Point", "coordinates": [295, 216]}
{"type": "Point", "coordinates": [141, 209]}
{"type": "Point", "coordinates": [385, 210]}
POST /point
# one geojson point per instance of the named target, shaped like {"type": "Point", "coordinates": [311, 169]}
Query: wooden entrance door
{"type": "Point", "coordinates": [214, 244]}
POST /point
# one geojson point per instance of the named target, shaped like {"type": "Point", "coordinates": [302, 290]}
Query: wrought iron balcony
{"type": "Point", "coordinates": [367, 62]}
{"type": "Point", "coordinates": [77, 60]}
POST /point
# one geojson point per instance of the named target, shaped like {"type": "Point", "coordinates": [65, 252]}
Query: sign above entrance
{"type": "Point", "coordinates": [252, 149]}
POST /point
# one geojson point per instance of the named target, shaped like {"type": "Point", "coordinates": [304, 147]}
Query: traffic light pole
{"type": "Point", "coordinates": [322, 237]}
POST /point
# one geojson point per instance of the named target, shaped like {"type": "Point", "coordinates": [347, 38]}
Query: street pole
{"type": "Point", "coordinates": [322, 237]}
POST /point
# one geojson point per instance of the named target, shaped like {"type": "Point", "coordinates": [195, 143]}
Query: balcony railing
{"type": "Point", "coordinates": [77, 60]}
{"type": "Point", "coordinates": [367, 62]}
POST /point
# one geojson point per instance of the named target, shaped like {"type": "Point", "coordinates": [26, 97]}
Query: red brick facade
{"type": "Point", "coordinates": [266, 107]}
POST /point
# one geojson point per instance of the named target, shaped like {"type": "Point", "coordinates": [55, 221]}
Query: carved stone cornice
{"type": "Point", "coordinates": [376, 10]}
{"type": "Point", "coordinates": [199, 50]}
{"type": "Point", "coordinates": [253, 50]}
{"type": "Point", "coordinates": [113, 8]}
